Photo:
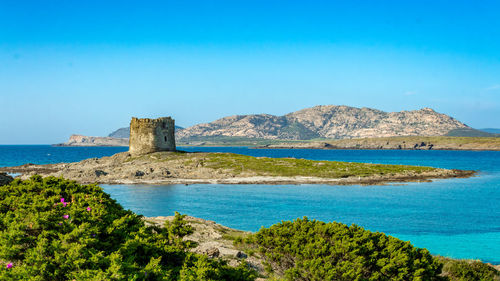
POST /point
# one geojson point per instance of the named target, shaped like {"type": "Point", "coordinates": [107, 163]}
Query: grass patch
{"type": "Point", "coordinates": [289, 167]}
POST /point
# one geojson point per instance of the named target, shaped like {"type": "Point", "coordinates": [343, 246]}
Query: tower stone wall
{"type": "Point", "coordinates": [151, 135]}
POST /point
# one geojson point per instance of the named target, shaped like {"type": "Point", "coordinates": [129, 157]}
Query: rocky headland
{"type": "Point", "coordinates": [227, 168]}
{"type": "Point", "coordinates": [79, 140]}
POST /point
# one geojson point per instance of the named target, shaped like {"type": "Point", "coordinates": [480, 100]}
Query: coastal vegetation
{"type": "Point", "coordinates": [55, 229]}
{"type": "Point", "coordinates": [306, 249]}
{"type": "Point", "coordinates": [468, 270]}
{"type": "Point", "coordinates": [184, 167]}
{"type": "Point", "coordinates": [264, 166]}
{"type": "Point", "coordinates": [312, 250]}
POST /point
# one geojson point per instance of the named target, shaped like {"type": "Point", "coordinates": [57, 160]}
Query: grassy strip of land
{"type": "Point", "coordinates": [182, 167]}
{"type": "Point", "coordinates": [407, 142]}
{"type": "Point", "coordinates": [436, 141]}
{"type": "Point", "coordinates": [289, 167]}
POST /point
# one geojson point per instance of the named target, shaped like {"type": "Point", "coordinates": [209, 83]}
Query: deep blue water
{"type": "Point", "coordinates": [454, 217]}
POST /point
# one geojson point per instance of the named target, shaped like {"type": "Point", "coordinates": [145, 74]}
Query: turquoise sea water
{"type": "Point", "coordinates": [455, 217]}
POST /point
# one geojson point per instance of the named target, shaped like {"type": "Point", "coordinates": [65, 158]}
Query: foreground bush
{"type": "Point", "coordinates": [314, 250]}
{"type": "Point", "coordinates": [54, 229]}
{"type": "Point", "coordinates": [468, 270]}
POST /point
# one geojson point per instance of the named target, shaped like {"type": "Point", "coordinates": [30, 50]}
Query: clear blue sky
{"type": "Point", "coordinates": [88, 66]}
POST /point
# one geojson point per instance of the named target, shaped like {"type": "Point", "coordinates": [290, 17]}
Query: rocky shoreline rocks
{"type": "Point", "coordinates": [216, 242]}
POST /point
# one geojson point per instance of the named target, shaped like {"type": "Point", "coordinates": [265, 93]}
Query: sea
{"type": "Point", "coordinates": [457, 218]}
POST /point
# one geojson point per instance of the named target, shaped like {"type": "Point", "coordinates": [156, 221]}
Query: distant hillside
{"type": "Point", "coordinates": [491, 130]}
{"type": "Point", "coordinates": [469, 132]}
{"type": "Point", "coordinates": [125, 132]}
{"type": "Point", "coordinates": [330, 121]}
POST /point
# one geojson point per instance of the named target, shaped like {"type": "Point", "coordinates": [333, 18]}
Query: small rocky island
{"type": "Point", "coordinates": [153, 159]}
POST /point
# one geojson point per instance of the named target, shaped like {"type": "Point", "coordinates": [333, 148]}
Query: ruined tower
{"type": "Point", "coordinates": [151, 135]}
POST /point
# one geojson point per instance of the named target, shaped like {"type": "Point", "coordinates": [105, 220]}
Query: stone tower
{"type": "Point", "coordinates": [151, 135]}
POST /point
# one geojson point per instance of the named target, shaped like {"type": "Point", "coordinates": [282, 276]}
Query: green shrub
{"type": "Point", "coordinates": [468, 270]}
{"type": "Point", "coordinates": [314, 250]}
{"type": "Point", "coordinates": [89, 236]}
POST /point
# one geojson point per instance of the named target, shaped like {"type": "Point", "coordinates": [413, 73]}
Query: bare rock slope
{"type": "Point", "coordinates": [329, 121]}
{"type": "Point", "coordinates": [79, 140]}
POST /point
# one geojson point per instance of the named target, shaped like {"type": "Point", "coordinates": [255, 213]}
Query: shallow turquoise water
{"type": "Point", "coordinates": [455, 217]}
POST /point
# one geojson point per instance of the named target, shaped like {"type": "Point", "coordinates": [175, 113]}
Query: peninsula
{"type": "Point", "coordinates": [226, 168]}
{"type": "Point", "coordinates": [153, 159]}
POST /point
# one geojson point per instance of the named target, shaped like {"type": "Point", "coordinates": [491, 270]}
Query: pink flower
{"type": "Point", "coordinates": [62, 199]}
{"type": "Point", "coordinates": [66, 216]}
{"type": "Point", "coordinates": [64, 204]}
{"type": "Point", "coordinates": [9, 265]}
{"type": "Point", "coordinates": [89, 209]}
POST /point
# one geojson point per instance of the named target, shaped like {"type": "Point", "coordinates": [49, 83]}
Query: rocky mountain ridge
{"type": "Point", "coordinates": [328, 121]}
{"type": "Point", "coordinates": [323, 121]}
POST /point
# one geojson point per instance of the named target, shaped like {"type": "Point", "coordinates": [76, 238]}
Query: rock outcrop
{"type": "Point", "coordinates": [79, 140]}
{"type": "Point", "coordinates": [330, 121]}
{"type": "Point", "coordinates": [216, 242]}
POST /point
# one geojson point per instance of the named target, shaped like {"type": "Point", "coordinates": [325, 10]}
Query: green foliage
{"type": "Point", "coordinates": [301, 167]}
{"type": "Point", "coordinates": [468, 270]}
{"type": "Point", "coordinates": [91, 237]}
{"type": "Point", "coordinates": [314, 250]}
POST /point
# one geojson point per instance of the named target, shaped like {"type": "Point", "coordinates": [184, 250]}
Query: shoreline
{"type": "Point", "coordinates": [164, 168]}
{"type": "Point", "coordinates": [298, 180]}
{"type": "Point", "coordinates": [366, 148]}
